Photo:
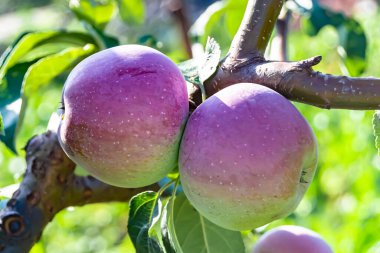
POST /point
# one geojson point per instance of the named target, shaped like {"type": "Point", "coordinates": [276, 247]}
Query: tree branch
{"type": "Point", "coordinates": [255, 30]}
{"type": "Point", "coordinates": [50, 185]}
{"type": "Point", "coordinates": [294, 80]}
{"type": "Point", "coordinates": [298, 82]}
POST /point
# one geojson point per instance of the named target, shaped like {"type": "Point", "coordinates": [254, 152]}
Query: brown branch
{"type": "Point", "coordinates": [255, 30]}
{"type": "Point", "coordinates": [294, 80]}
{"type": "Point", "coordinates": [49, 185]}
{"type": "Point", "coordinates": [298, 82]}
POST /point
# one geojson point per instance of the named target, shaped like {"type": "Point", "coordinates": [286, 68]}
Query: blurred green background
{"type": "Point", "coordinates": [343, 202]}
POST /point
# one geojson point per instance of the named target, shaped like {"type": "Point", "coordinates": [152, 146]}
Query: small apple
{"type": "Point", "coordinates": [124, 113]}
{"type": "Point", "coordinates": [247, 157]}
{"type": "Point", "coordinates": [291, 239]}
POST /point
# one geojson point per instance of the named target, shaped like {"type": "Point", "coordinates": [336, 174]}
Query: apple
{"type": "Point", "coordinates": [247, 157]}
{"type": "Point", "coordinates": [124, 113]}
{"type": "Point", "coordinates": [291, 239]}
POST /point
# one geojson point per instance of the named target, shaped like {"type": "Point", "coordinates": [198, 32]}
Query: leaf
{"type": "Point", "coordinates": [23, 47]}
{"type": "Point", "coordinates": [10, 102]}
{"type": "Point", "coordinates": [96, 12]}
{"type": "Point", "coordinates": [132, 11]}
{"type": "Point", "coordinates": [234, 15]}
{"type": "Point", "coordinates": [47, 68]}
{"type": "Point", "coordinates": [189, 70]}
{"type": "Point", "coordinates": [220, 20]}
{"type": "Point", "coordinates": [211, 60]}
{"type": "Point", "coordinates": [352, 40]}
{"type": "Point", "coordinates": [145, 209]}
{"type": "Point", "coordinates": [376, 129]}
{"type": "Point", "coordinates": [104, 41]}
{"type": "Point", "coordinates": [169, 238]}
{"type": "Point", "coordinates": [210, 18]}
{"type": "Point", "coordinates": [26, 78]}
{"type": "Point", "coordinates": [1, 125]}
{"type": "Point", "coordinates": [197, 234]}
{"type": "Point", "coordinates": [20, 47]}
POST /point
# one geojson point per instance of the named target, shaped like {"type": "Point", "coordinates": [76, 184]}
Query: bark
{"type": "Point", "coordinates": [50, 185]}
{"type": "Point", "coordinates": [296, 81]}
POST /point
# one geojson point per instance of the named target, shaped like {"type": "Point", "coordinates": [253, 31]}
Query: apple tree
{"type": "Point", "coordinates": [203, 142]}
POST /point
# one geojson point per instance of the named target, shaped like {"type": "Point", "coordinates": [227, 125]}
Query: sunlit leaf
{"type": "Point", "coordinates": [46, 69]}
{"type": "Point", "coordinates": [210, 61]}
{"type": "Point", "coordinates": [196, 234]}
{"type": "Point", "coordinates": [145, 208]}
{"type": "Point", "coordinates": [354, 42]}
{"type": "Point", "coordinates": [169, 238]}
{"type": "Point", "coordinates": [10, 102]}
{"type": "Point", "coordinates": [23, 48]}
{"type": "Point", "coordinates": [189, 70]}
{"type": "Point", "coordinates": [104, 41]}
{"type": "Point", "coordinates": [132, 11]}
{"type": "Point", "coordinates": [234, 15]}
{"type": "Point", "coordinates": [212, 23]}
{"type": "Point", "coordinates": [352, 39]}
{"type": "Point", "coordinates": [96, 12]}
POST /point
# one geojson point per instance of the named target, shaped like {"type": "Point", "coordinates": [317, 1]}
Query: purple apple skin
{"type": "Point", "coordinates": [291, 239]}
{"type": "Point", "coordinates": [124, 113]}
{"type": "Point", "coordinates": [247, 157]}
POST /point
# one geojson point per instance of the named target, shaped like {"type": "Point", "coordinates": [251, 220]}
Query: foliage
{"type": "Point", "coordinates": [342, 203]}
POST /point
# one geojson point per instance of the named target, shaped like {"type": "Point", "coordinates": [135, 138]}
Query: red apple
{"type": "Point", "coordinates": [124, 113]}
{"type": "Point", "coordinates": [291, 239]}
{"type": "Point", "coordinates": [247, 157]}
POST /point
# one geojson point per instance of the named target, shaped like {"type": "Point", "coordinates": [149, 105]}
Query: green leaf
{"type": "Point", "coordinates": [169, 238]}
{"type": "Point", "coordinates": [354, 43]}
{"type": "Point", "coordinates": [197, 234]}
{"type": "Point", "coordinates": [20, 47]}
{"type": "Point", "coordinates": [211, 60]}
{"type": "Point", "coordinates": [23, 49]}
{"type": "Point", "coordinates": [169, 235]}
{"type": "Point", "coordinates": [46, 69]}
{"type": "Point", "coordinates": [376, 129]}
{"type": "Point", "coordinates": [132, 11]}
{"type": "Point", "coordinates": [234, 15]}
{"type": "Point", "coordinates": [10, 103]}
{"type": "Point", "coordinates": [29, 77]}
{"type": "Point", "coordinates": [208, 20]}
{"type": "Point", "coordinates": [104, 41]}
{"type": "Point", "coordinates": [96, 12]}
{"type": "Point", "coordinates": [352, 39]}
{"type": "Point", "coordinates": [189, 70]}
{"type": "Point", "coordinates": [1, 125]}
{"type": "Point", "coordinates": [145, 209]}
